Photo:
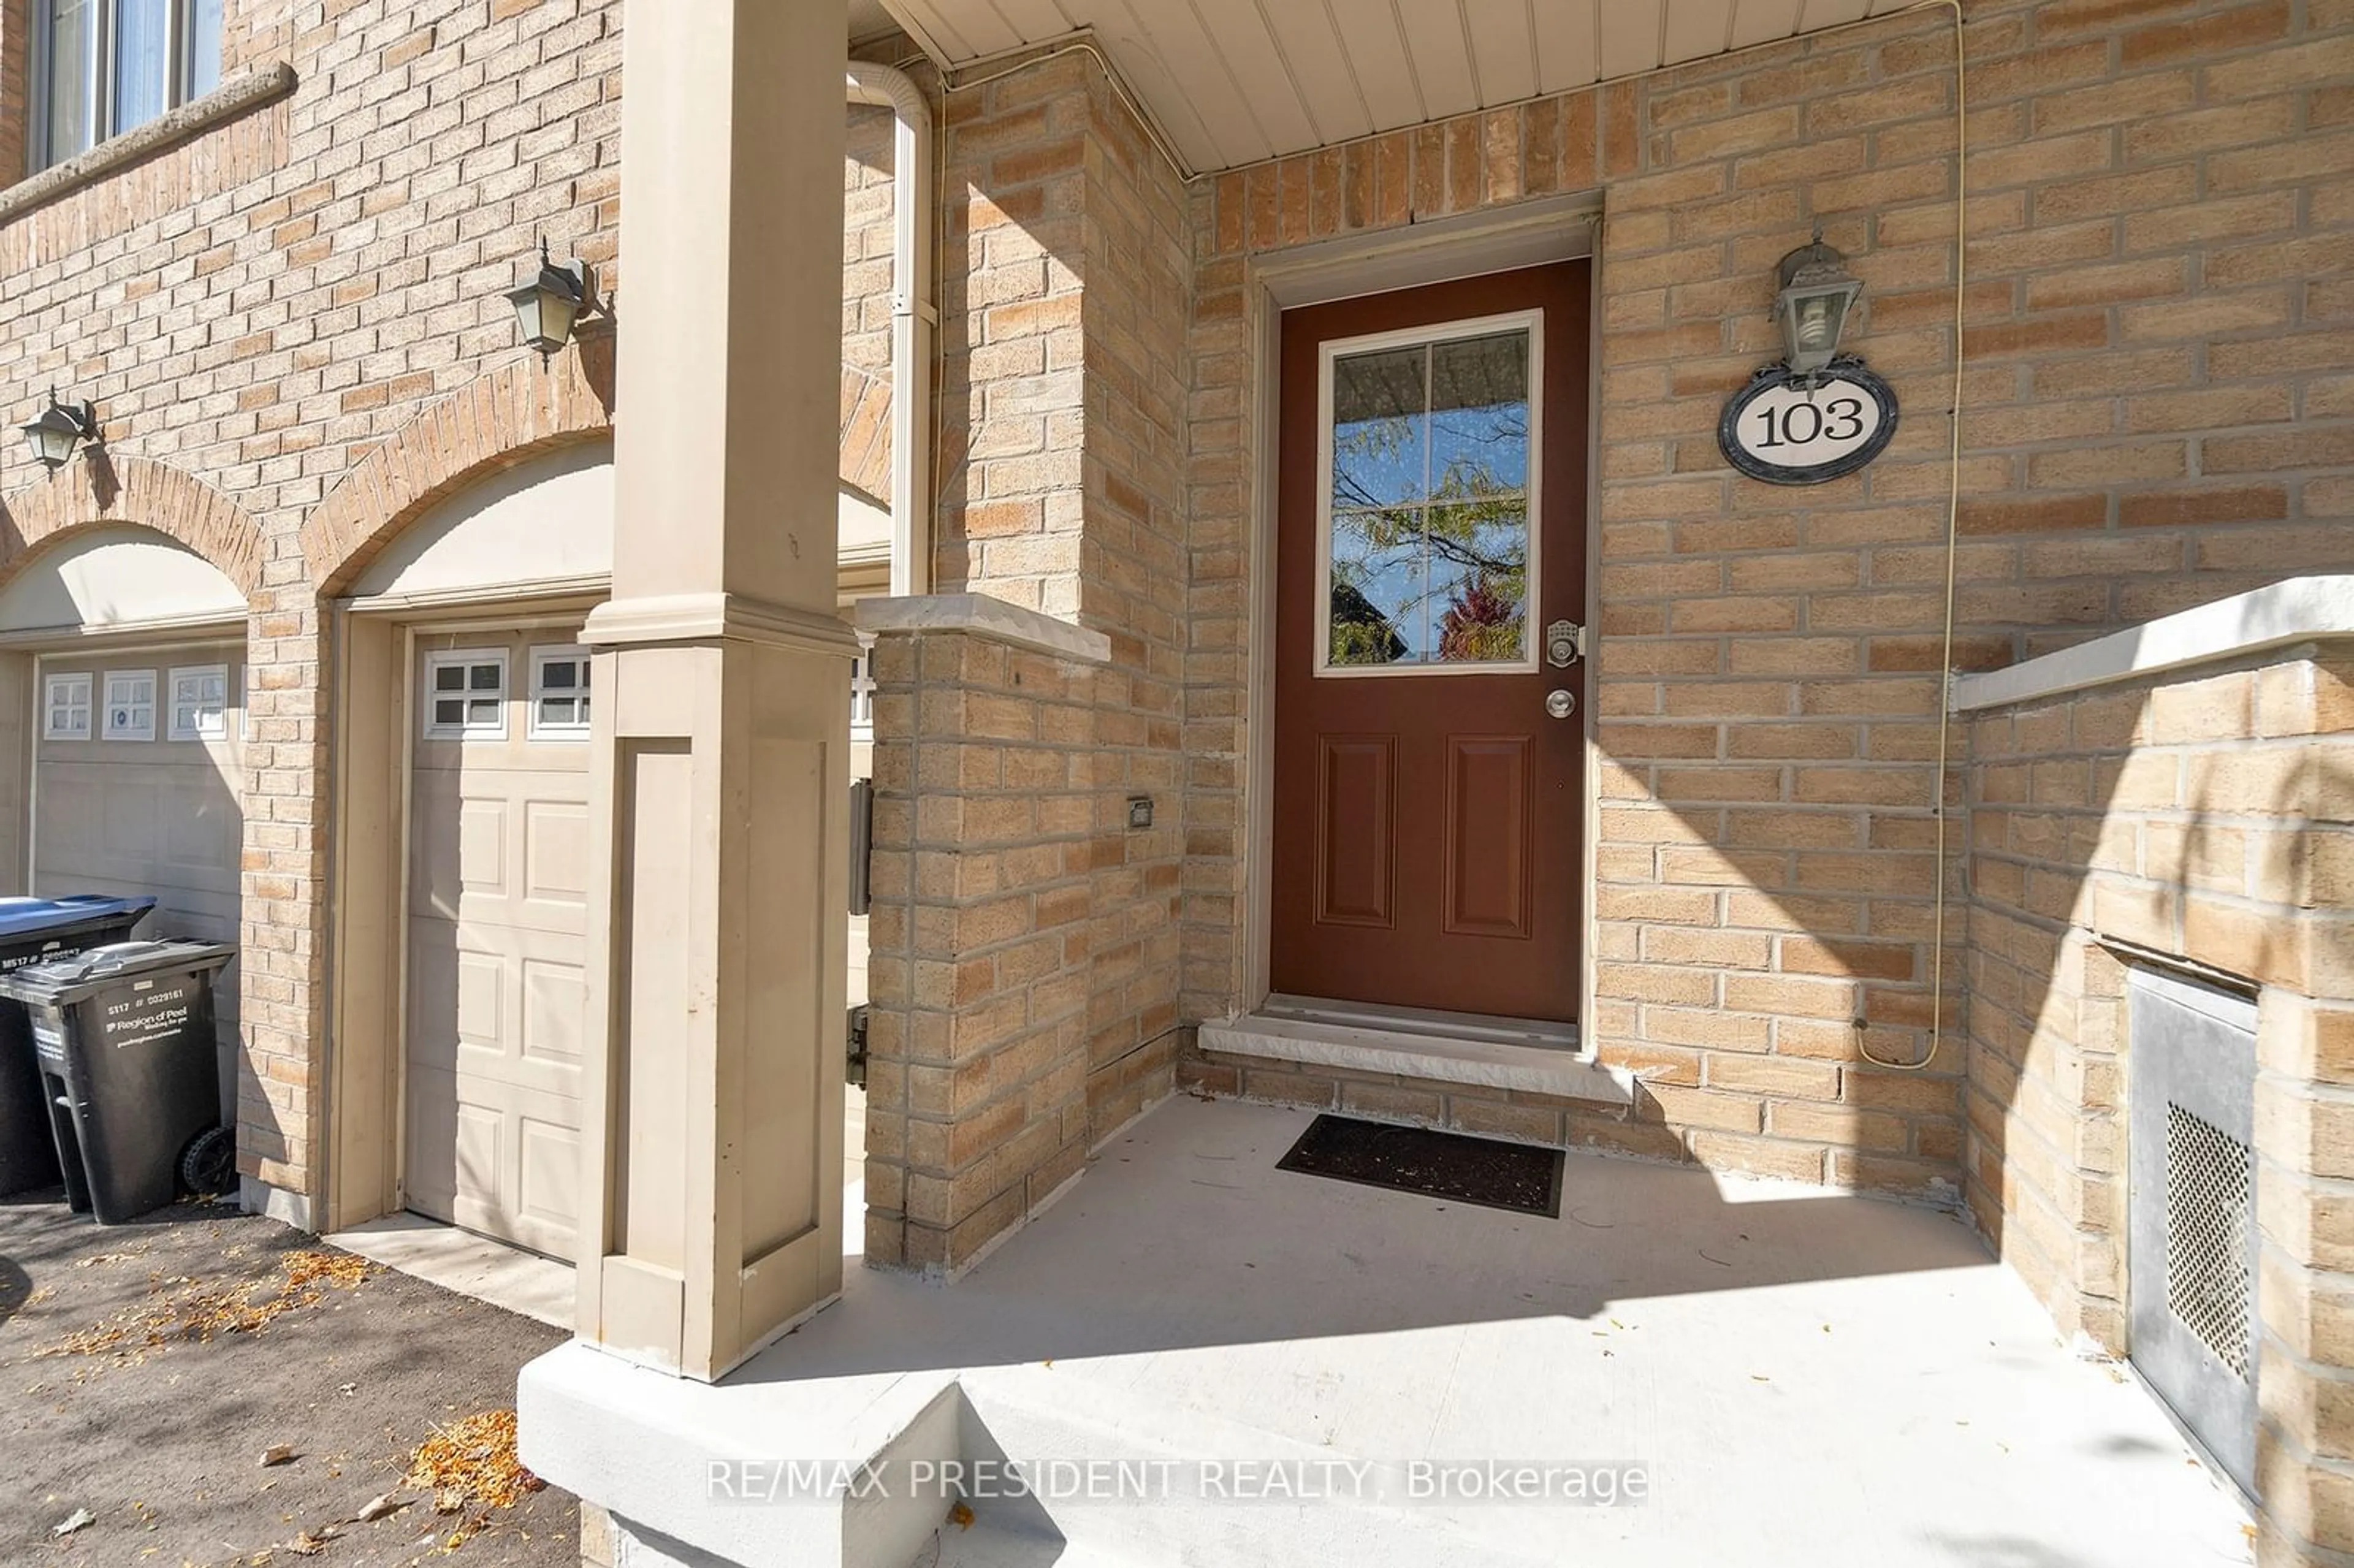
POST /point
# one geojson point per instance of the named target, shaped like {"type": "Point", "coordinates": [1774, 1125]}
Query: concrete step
{"type": "Point", "coordinates": [1125, 1479]}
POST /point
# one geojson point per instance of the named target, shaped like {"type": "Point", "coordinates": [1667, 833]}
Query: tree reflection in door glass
{"type": "Point", "coordinates": [1429, 545]}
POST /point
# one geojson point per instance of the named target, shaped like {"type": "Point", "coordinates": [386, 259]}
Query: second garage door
{"type": "Point", "coordinates": [136, 792]}
{"type": "Point", "coordinates": [498, 856]}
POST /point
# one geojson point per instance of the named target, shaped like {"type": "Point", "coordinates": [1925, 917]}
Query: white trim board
{"type": "Point", "coordinates": [2301, 610]}
{"type": "Point", "coordinates": [1445, 251]}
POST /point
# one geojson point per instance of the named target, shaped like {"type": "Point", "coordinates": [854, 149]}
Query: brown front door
{"type": "Point", "coordinates": [1430, 525]}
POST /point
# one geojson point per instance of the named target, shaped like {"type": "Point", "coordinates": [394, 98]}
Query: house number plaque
{"type": "Point", "coordinates": [1788, 428]}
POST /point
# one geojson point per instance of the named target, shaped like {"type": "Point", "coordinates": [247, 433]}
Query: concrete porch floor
{"type": "Point", "coordinates": [1808, 1376]}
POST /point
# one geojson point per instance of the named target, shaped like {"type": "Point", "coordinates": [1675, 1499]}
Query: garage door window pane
{"type": "Point", "coordinates": [129, 705]}
{"type": "Point", "coordinates": [466, 694]}
{"type": "Point", "coordinates": [559, 693]}
{"type": "Point", "coordinates": [200, 703]}
{"type": "Point", "coordinates": [66, 708]}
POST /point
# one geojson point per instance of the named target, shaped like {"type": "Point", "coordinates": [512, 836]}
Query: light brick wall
{"type": "Point", "coordinates": [259, 308]}
{"type": "Point", "coordinates": [1025, 941]}
{"type": "Point", "coordinates": [982, 941]}
{"type": "Point", "coordinates": [1012, 397]}
{"type": "Point", "coordinates": [2157, 414]}
{"type": "Point", "coordinates": [868, 232]}
{"type": "Point", "coordinates": [1132, 589]}
{"type": "Point", "coordinates": [2210, 817]}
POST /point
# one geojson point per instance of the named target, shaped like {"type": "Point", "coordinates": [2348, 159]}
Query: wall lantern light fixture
{"type": "Point", "coordinates": [1817, 298]}
{"type": "Point", "coordinates": [546, 307]}
{"type": "Point", "coordinates": [58, 429]}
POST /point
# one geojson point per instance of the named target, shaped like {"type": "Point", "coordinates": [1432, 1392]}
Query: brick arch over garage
{"type": "Point", "coordinates": [107, 490]}
{"type": "Point", "coordinates": [523, 411]}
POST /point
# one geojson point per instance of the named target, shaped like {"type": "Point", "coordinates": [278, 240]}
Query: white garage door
{"type": "Point", "coordinates": [135, 791]}
{"type": "Point", "coordinates": [498, 856]}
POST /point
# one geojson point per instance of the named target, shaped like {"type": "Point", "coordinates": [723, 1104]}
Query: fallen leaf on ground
{"type": "Point", "coordinates": [376, 1506]}
{"type": "Point", "coordinates": [80, 1519]}
{"type": "Point", "coordinates": [277, 1454]}
{"type": "Point", "coordinates": [187, 1309]}
{"type": "Point", "coordinates": [475, 1459]}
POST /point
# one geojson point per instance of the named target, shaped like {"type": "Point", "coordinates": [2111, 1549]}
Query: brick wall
{"type": "Point", "coordinates": [259, 307]}
{"type": "Point", "coordinates": [868, 235]}
{"type": "Point", "coordinates": [1024, 964]}
{"type": "Point", "coordinates": [2157, 414]}
{"type": "Point", "coordinates": [980, 941]}
{"type": "Point", "coordinates": [1132, 589]}
{"type": "Point", "coordinates": [2208, 816]}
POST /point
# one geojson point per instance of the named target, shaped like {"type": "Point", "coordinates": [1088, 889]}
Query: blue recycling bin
{"type": "Point", "coordinates": [32, 930]}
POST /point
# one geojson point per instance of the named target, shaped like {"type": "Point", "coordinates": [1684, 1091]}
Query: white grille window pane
{"type": "Point", "coordinates": [66, 708]}
{"type": "Point", "coordinates": [129, 705]}
{"type": "Point", "coordinates": [862, 690]}
{"type": "Point", "coordinates": [204, 47]}
{"type": "Point", "coordinates": [71, 76]}
{"type": "Point", "coordinates": [1429, 549]}
{"type": "Point", "coordinates": [142, 62]}
{"type": "Point", "coordinates": [559, 693]}
{"type": "Point", "coordinates": [199, 703]}
{"type": "Point", "coordinates": [467, 696]}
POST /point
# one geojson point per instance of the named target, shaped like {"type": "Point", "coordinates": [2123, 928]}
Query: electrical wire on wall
{"type": "Point", "coordinates": [1953, 544]}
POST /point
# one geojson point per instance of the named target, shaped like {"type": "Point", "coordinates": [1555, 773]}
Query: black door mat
{"type": "Point", "coordinates": [1481, 1170]}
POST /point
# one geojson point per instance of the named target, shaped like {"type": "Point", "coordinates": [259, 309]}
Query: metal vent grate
{"type": "Point", "coordinates": [2209, 1192]}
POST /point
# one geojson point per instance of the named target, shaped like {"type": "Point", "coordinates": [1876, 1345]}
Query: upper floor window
{"type": "Point", "coordinates": [108, 65]}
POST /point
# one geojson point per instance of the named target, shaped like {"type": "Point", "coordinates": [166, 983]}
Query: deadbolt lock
{"type": "Point", "coordinates": [1564, 641]}
{"type": "Point", "coordinates": [1560, 704]}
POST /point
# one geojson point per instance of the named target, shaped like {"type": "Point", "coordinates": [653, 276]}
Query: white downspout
{"type": "Point", "coordinates": [912, 319]}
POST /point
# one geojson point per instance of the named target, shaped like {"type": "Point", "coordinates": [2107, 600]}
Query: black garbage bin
{"type": "Point", "coordinates": [124, 1038]}
{"type": "Point", "coordinates": [33, 930]}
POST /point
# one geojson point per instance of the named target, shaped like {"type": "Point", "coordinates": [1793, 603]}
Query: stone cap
{"type": "Point", "coordinates": [248, 90]}
{"type": "Point", "coordinates": [978, 615]}
{"type": "Point", "coordinates": [2301, 610]}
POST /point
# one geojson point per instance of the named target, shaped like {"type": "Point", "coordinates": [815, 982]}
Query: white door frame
{"type": "Point", "coordinates": [1531, 234]}
{"type": "Point", "coordinates": [368, 1034]}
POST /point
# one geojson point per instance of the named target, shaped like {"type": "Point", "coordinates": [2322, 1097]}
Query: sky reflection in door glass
{"type": "Point", "coordinates": [1429, 541]}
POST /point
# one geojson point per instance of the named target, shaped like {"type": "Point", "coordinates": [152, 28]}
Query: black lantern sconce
{"type": "Point", "coordinates": [58, 429]}
{"type": "Point", "coordinates": [1817, 298]}
{"type": "Point", "coordinates": [546, 307]}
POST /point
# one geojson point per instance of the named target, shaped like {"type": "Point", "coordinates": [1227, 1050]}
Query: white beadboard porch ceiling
{"type": "Point", "coordinates": [1235, 81]}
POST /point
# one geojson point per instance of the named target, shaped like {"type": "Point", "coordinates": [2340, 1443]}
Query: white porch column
{"type": "Point", "coordinates": [713, 1202]}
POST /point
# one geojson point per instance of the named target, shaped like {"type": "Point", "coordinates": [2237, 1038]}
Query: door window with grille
{"type": "Point", "coordinates": [1426, 545]}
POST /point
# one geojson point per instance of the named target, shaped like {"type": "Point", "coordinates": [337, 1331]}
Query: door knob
{"type": "Point", "coordinates": [1560, 704]}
